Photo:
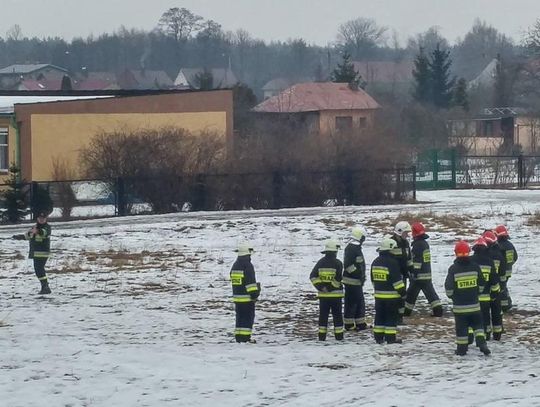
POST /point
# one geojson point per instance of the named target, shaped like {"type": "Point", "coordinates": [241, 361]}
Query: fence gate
{"type": "Point", "coordinates": [436, 169]}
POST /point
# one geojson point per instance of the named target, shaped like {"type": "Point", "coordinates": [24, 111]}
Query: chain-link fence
{"type": "Point", "coordinates": [124, 196]}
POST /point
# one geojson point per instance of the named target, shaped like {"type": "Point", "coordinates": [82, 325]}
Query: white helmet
{"type": "Point", "coordinates": [330, 246]}
{"type": "Point", "coordinates": [387, 244]}
{"type": "Point", "coordinates": [358, 233]}
{"type": "Point", "coordinates": [401, 227]}
{"type": "Point", "coordinates": [244, 249]}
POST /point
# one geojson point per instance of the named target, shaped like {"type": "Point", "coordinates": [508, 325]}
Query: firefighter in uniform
{"type": "Point", "coordinates": [246, 290]}
{"type": "Point", "coordinates": [421, 275]}
{"type": "Point", "coordinates": [498, 259]}
{"type": "Point", "coordinates": [510, 255]}
{"type": "Point", "coordinates": [389, 290]}
{"type": "Point", "coordinates": [402, 253]}
{"type": "Point", "coordinates": [464, 283]}
{"type": "Point", "coordinates": [354, 277]}
{"type": "Point", "coordinates": [39, 238]}
{"type": "Point", "coordinates": [489, 299]}
{"type": "Point", "coordinates": [326, 278]}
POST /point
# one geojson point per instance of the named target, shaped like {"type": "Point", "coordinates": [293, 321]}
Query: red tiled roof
{"type": "Point", "coordinates": [317, 96]}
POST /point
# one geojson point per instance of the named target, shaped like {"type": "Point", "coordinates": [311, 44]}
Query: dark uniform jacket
{"type": "Point", "coordinates": [387, 278]}
{"type": "Point", "coordinates": [509, 253]}
{"type": "Point", "coordinates": [464, 283]}
{"type": "Point", "coordinates": [244, 286]}
{"type": "Point", "coordinates": [40, 243]}
{"type": "Point", "coordinates": [354, 265]}
{"type": "Point", "coordinates": [492, 288]}
{"type": "Point", "coordinates": [326, 277]}
{"type": "Point", "coordinates": [421, 258]}
{"type": "Point", "coordinates": [499, 260]}
{"type": "Point", "coordinates": [402, 253]}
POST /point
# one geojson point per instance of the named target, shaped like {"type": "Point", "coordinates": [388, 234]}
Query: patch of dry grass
{"type": "Point", "coordinates": [534, 219]}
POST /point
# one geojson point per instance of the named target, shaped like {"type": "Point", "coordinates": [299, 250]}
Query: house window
{"type": "Point", "coordinates": [343, 123]}
{"type": "Point", "coordinates": [4, 165]}
{"type": "Point", "coordinates": [487, 128]}
{"type": "Point", "coordinates": [362, 123]}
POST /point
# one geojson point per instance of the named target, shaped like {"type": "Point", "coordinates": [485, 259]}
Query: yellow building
{"type": "Point", "coordinates": [47, 131]}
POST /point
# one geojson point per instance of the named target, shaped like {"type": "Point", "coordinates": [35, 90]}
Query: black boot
{"type": "Point", "coordinates": [462, 350]}
{"type": "Point", "coordinates": [407, 312]}
{"type": "Point", "coordinates": [45, 289]}
{"type": "Point", "coordinates": [437, 311]}
{"type": "Point", "coordinates": [471, 338]}
{"type": "Point", "coordinates": [322, 337]}
{"type": "Point", "coordinates": [339, 336]}
{"type": "Point", "coordinates": [349, 327]}
{"type": "Point", "coordinates": [488, 336]}
{"type": "Point", "coordinates": [497, 336]}
{"type": "Point", "coordinates": [361, 327]}
{"type": "Point", "coordinates": [484, 349]}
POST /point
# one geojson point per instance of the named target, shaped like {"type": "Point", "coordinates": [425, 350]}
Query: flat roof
{"type": "Point", "coordinates": [7, 103]}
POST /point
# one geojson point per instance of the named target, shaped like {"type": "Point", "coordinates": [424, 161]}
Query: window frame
{"type": "Point", "coordinates": [4, 149]}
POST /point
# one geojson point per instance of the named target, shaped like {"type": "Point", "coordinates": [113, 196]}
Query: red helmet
{"type": "Point", "coordinates": [480, 242]}
{"type": "Point", "coordinates": [489, 237]}
{"type": "Point", "coordinates": [462, 249]}
{"type": "Point", "coordinates": [418, 229]}
{"type": "Point", "coordinates": [501, 231]}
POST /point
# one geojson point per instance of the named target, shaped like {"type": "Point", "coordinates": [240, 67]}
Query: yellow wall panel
{"type": "Point", "coordinates": [61, 136]}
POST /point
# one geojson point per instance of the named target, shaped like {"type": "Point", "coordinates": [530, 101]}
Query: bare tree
{"type": "Point", "coordinates": [179, 23]}
{"type": "Point", "coordinates": [361, 36]}
{"type": "Point", "coordinates": [14, 33]}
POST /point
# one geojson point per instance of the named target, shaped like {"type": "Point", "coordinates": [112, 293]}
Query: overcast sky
{"type": "Point", "coordinates": [314, 20]}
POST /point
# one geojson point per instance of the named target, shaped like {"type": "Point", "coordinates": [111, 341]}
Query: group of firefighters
{"type": "Point", "coordinates": [476, 283]}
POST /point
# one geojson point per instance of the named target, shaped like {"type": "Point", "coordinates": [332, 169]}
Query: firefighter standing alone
{"type": "Point", "coordinates": [246, 290]}
{"type": "Point", "coordinates": [39, 238]}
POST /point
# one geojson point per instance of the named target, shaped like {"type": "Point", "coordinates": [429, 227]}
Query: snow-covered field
{"type": "Point", "coordinates": [141, 315]}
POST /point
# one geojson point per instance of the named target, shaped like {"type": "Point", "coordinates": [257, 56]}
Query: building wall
{"type": "Point", "coordinates": [58, 130]}
{"type": "Point", "coordinates": [527, 134]}
{"type": "Point", "coordinates": [328, 119]}
{"type": "Point", "coordinates": [6, 122]}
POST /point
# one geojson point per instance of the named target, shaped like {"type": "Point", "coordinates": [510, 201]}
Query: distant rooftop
{"type": "Point", "coordinates": [19, 69]}
{"type": "Point", "coordinates": [317, 96]}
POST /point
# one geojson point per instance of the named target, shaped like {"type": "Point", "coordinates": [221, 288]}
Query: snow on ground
{"type": "Point", "coordinates": [141, 315]}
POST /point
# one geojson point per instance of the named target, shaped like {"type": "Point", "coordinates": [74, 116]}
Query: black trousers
{"type": "Point", "coordinates": [472, 320]}
{"type": "Point", "coordinates": [327, 305]}
{"type": "Point", "coordinates": [506, 300]}
{"type": "Point", "coordinates": [39, 268]}
{"type": "Point", "coordinates": [245, 316]}
{"type": "Point", "coordinates": [401, 308]}
{"type": "Point", "coordinates": [492, 316]}
{"type": "Point", "coordinates": [386, 319]}
{"type": "Point", "coordinates": [355, 306]}
{"type": "Point", "coordinates": [426, 286]}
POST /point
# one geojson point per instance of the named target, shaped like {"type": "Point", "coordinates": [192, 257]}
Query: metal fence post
{"type": "Point", "coordinates": [277, 183]}
{"type": "Point", "coordinates": [120, 197]}
{"type": "Point", "coordinates": [414, 182]}
{"type": "Point", "coordinates": [397, 195]}
{"type": "Point", "coordinates": [453, 159]}
{"type": "Point", "coordinates": [521, 171]}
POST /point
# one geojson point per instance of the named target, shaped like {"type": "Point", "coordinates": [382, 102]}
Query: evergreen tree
{"type": "Point", "coordinates": [501, 91]}
{"type": "Point", "coordinates": [422, 78]}
{"type": "Point", "coordinates": [204, 80]}
{"type": "Point", "coordinates": [441, 83]}
{"type": "Point", "coordinates": [459, 97]}
{"type": "Point", "coordinates": [345, 72]}
{"type": "Point", "coordinates": [14, 198]}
